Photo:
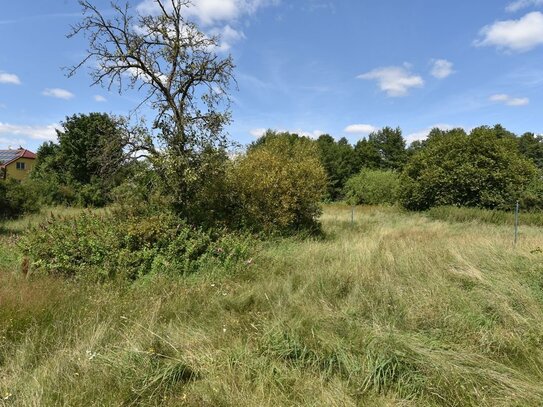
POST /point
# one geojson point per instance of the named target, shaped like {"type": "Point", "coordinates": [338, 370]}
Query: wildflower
{"type": "Point", "coordinates": [90, 354]}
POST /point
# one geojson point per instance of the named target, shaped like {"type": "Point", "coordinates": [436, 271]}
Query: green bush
{"type": "Point", "coordinates": [17, 198]}
{"type": "Point", "coordinates": [532, 196]}
{"type": "Point", "coordinates": [482, 169]}
{"type": "Point", "coordinates": [373, 187]}
{"type": "Point", "coordinates": [105, 246]}
{"type": "Point", "coordinates": [279, 185]}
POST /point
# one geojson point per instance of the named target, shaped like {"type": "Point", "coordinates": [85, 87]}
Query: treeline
{"type": "Point", "coordinates": [275, 187]}
{"type": "Point", "coordinates": [490, 167]}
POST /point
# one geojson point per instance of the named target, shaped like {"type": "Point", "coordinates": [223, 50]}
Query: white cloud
{"type": "Point", "coordinates": [9, 78]}
{"type": "Point", "coordinates": [522, 4]}
{"type": "Point", "coordinates": [210, 12]}
{"type": "Point", "coordinates": [509, 100]}
{"type": "Point", "coordinates": [360, 129]}
{"type": "Point", "coordinates": [395, 81]}
{"type": "Point", "coordinates": [315, 134]}
{"type": "Point", "coordinates": [11, 142]}
{"type": "Point", "coordinates": [258, 132]}
{"type": "Point", "coordinates": [441, 68]}
{"type": "Point", "coordinates": [46, 132]}
{"type": "Point", "coordinates": [99, 98]}
{"type": "Point", "coordinates": [423, 134]}
{"type": "Point", "coordinates": [228, 37]}
{"type": "Point", "coordinates": [58, 93]}
{"type": "Point", "coordinates": [514, 35]}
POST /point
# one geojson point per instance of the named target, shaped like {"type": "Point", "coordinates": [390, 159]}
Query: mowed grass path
{"type": "Point", "coordinates": [397, 310]}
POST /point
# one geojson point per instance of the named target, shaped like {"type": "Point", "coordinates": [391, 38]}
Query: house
{"type": "Point", "coordinates": [16, 164]}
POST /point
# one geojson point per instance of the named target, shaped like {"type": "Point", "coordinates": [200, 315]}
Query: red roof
{"type": "Point", "coordinates": [28, 154]}
{"type": "Point", "coordinates": [9, 156]}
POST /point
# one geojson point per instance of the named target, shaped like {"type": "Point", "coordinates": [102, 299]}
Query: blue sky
{"type": "Point", "coordinates": [343, 67]}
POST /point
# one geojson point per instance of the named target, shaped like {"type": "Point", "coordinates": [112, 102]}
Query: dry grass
{"type": "Point", "coordinates": [395, 310]}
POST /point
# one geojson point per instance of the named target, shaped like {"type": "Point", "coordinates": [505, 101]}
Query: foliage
{"type": "Point", "coordinates": [390, 146]}
{"type": "Point", "coordinates": [366, 155]}
{"type": "Point", "coordinates": [531, 197]}
{"type": "Point", "coordinates": [373, 187]}
{"type": "Point", "coordinates": [183, 78]}
{"type": "Point", "coordinates": [17, 198]}
{"type": "Point", "coordinates": [339, 162]}
{"type": "Point", "coordinates": [279, 185]}
{"type": "Point", "coordinates": [395, 310]}
{"type": "Point", "coordinates": [86, 163]}
{"type": "Point", "coordinates": [455, 214]}
{"type": "Point", "coordinates": [531, 146]}
{"type": "Point", "coordinates": [483, 169]}
{"type": "Point", "coordinates": [105, 246]}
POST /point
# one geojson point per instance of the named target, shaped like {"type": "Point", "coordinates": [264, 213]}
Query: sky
{"type": "Point", "coordinates": [341, 67]}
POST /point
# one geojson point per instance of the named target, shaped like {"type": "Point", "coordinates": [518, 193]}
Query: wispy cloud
{"type": "Point", "coordinates": [11, 142]}
{"type": "Point", "coordinates": [522, 4]}
{"type": "Point", "coordinates": [100, 98]}
{"type": "Point", "coordinates": [519, 35]}
{"type": "Point", "coordinates": [58, 93]}
{"type": "Point", "coordinates": [46, 132]}
{"type": "Point", "coordinates": [259, 132]}
{"type": "Point", "coordinates": [360, 129]}
{"type": "Point", "coordinates": [212, 12]}
{"type": "Point", "coordinates": [423, 134]}
{"type": "Point", "coordinates": [509, 100]}
{"type": "Point", "coordinates": [9, 78]}
{"type": "Point", "coordinates": [441, 68]}
{"type": "Point", "coordinates": [395, 81]}
{"type": "Point", "coordinates": [228, 37]}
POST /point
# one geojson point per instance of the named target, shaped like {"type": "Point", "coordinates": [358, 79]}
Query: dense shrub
{"type": "Point", "coordinates": [102, 246]}
{"type": "Point", "coordinates": [279, 185]}
{"type": "Point", "coordinates": [17, 198]}
{"type": "Point", "coordinates": [482, 169]}
{"type": "Point", "coordinates": [532, 196]}
{"type": "Point", "coordinates": [373, 187]}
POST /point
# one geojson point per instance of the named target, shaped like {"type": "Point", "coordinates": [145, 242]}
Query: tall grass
{"type": "Point", "coordinates": [395, 309]}
{"type": "Point", "coordinates": [456, 214]}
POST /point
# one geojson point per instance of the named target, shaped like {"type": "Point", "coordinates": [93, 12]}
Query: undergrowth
{"type": "Point", "coordinates": [392, 309]}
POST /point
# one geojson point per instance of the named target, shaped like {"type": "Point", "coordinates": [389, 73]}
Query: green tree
{"type": "Point", "coordinates": [373, 187]}
{"type": "Point", "coordinates": [279, 185]}
{"type": "Point", "coordinates": [390, 146]}
{"type": "Point", "coordinates": [366, 155]}
{"type": "Point", "coordinates": [271, 135]}
{"type": "Point", "coordinates": [91, 146]}
{"type": "Point", "coordinates": [483, 169]}
{"type": "Point", "coordinates": [181, 76]}
{"type": "Point", "coordinates": [339, 162]}
{"type": "Point", "coordinates": [85, 164]}
{"type": "Point", "coordinates": [531, 146]}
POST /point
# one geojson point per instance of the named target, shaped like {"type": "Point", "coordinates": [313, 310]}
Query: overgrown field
{"type": "Point", "coordinates": [396, 310]}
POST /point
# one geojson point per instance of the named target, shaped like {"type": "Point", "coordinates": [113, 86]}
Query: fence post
{"type": "Point", "coordinates": [352, 215]}
{"type": "Point", "coordinates": [517, 207]}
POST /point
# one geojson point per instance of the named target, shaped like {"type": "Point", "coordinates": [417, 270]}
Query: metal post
{"type": "Point", "coordinates": [352, 215]}
{"type": "Point", "coordinates": [517, 207]}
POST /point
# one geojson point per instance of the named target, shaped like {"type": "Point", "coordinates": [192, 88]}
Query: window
{"type": "Point", "coordinates": [20, 166]}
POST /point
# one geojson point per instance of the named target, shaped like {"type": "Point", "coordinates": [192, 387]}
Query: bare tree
{"type": "Point", "coordinates": [180, 73]}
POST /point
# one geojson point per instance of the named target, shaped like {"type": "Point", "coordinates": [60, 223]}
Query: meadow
{"type": "Point", "coordinates": [397, 309]}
